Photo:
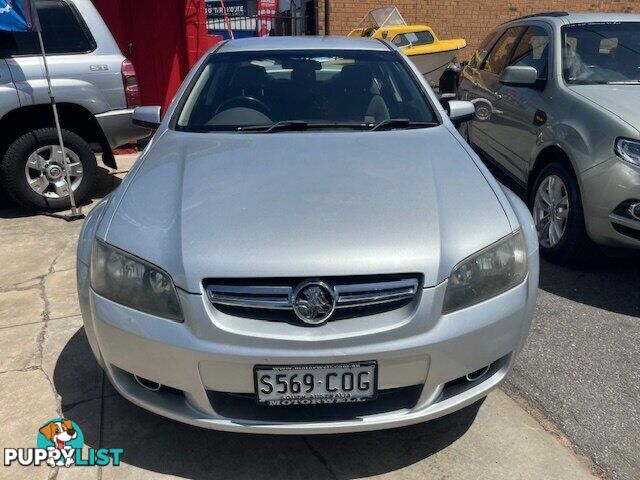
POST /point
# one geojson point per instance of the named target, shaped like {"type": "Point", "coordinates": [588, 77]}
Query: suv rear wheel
{"type": "Point", "coordinates": [33, 174]}
{"type": "Point", "coordinates": [556, 207]}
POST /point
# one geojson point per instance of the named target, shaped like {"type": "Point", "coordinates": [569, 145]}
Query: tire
{"type": "Point", "coordinates": [15, 176]}
{"type": "Point", "coordinates": [574, 243]}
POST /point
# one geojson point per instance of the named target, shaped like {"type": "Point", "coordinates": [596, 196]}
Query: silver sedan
{"type": "Point", "coordinates": [307, 246]}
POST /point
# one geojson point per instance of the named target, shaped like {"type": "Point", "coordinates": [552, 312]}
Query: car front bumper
{"type": "Point", "coordinates": [207, 363]}
{"type": "Point", "coordinates": [605, 187]}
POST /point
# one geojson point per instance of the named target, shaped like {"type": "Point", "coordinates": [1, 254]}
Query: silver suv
{"type": "Point", "coordinates": [557, 100]}
{"type": "Point", "coordinates": [95, 87]}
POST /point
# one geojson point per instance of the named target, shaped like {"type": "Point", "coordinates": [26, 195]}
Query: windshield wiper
{"type": "Point", "coordinates": [290, 125]}
{"type": "Point", "coordinates": [300, 125]}
{"type": "Point", "coordinates": [625, 82]}
{"type": "Point", "coordinates": [400, 123]}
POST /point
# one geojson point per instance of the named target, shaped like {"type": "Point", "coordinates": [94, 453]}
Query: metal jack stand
{"type": "Point", "coordinates": [76, 213]}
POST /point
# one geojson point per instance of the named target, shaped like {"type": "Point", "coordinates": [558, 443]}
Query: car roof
{"type": "Point", "coordinates": [600, 17]}
{"type": "Point", "coordinates": [302, 43]}
{"type": "Point", "coordinates": [565, 18]}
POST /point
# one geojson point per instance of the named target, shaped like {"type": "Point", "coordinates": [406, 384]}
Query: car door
{"type": "Point", "coordinates": [523, 109]}
{"type": "Point", "coordinates": [486, 95]}
{"type": "Point", "coordinates": [8, 94]}
{"type": "Point", "coordinates": [470, 76]}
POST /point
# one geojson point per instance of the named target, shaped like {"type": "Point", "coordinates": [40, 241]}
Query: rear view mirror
{"type": "Point", "coordinates": [519, 76]}
{"type": "Point", "coordinates": [148, 117]}
{"type": "Point", "coordinates": [460, 111]}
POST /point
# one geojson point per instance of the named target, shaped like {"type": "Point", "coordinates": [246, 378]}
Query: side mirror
{"type": "Point", "coordinates": [147, 117]}
{"type": "Point", "coordinates": [519, 76]}
{"type": "Point", "coordinates": [461, 111]}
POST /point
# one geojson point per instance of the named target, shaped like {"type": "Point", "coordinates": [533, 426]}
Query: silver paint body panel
{"type": "Point", "coordinates": [312, 205]}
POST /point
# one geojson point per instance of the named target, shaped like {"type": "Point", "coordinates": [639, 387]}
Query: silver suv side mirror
{"type": "Point", "coordinates": [148, 117]}
{"type": "Point", "coordinates": [519, 76]}
{"type": "Point", "coordinates": [460, 111]}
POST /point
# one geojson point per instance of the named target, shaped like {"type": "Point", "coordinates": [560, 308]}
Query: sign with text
{"type": "Point", "coordinates": [266, 12]}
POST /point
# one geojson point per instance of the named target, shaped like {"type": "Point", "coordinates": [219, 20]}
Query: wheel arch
{"type": "Point", "coordinates": [548, 155]}
{"type": "Point", "coordinates": [73, 117]}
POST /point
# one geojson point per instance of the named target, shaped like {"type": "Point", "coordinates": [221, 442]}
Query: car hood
{"type": "Point", "coordinates": [621, 100]}
{"type": "Point", "coordinates": [310, 204]}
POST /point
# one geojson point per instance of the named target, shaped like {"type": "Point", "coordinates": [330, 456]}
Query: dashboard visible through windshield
{"type": "Point", "coordinates": [246, 91]}
{"type": "Point", "coordinates": [601, 53]}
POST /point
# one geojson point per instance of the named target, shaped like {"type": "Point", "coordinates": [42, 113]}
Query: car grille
{"type": "Point", "coordinates": [271, 299]}
{"type": "Point", "coordinates": [244, 407]}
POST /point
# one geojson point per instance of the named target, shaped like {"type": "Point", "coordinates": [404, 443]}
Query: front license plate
{"type": "Point", "coordinates": [315, 384]}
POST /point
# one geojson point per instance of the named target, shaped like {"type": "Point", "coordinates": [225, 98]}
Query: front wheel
{"type": "Point", "coordinates": [556, 207]}
{"type": "Point", "coordinates": [33, 173]}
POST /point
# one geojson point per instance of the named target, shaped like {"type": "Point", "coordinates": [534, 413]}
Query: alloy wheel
{"type": "Point", "coordinates": [551, 210]}
{"type": "Point", "coordinates": [45, 172]}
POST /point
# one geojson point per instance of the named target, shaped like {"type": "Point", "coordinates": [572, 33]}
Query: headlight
{"type": "Point", "coordinates": [628, 150]}
{"type": "Point", "coordinates": [132, 282]}
{"type": "Point", "coordinates": [485, 274]}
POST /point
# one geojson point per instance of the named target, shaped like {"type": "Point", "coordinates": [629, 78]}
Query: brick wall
{"type": "Point", "coordinates": [469, 19]}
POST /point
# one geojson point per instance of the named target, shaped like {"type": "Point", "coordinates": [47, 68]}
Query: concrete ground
{"type": "Point", "coordinates": [580, 368]}
{"type": "Point", "coordinates": [47, 371]}
{"type": "Point", "coordinates": [581, 364]}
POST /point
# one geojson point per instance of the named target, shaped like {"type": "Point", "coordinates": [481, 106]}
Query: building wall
{"type": "Point", "coordinates": [163, 43]}
{"type": "Point", "coordinates": [468, 19]}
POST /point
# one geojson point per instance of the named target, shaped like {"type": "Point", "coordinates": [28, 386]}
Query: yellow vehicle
{"type": "Point", "coordinates": [431, 55]}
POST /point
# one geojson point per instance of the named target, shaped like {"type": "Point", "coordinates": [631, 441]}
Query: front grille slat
{"type": "Point", "coordinates": [242, 293]}
{"type": "Point", "coordinates": [250, 290]}
{"type": "Point", "coordinates": [375, 293]}
{"type": "Point", "coordinates": [249, 302]}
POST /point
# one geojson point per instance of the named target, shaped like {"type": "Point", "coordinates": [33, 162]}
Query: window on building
{"type": "Point", "coordinates": [533, 51]}
{"type": "Point", "coordinates": [413, 38]}
{"type": "Point", "coordinates": [62, 32]}
{"type": "Point", "coordinates": [499, 56]}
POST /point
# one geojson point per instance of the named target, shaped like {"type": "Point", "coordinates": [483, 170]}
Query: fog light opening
{"type": "Point", "coordinates": [148, 384]}
{"type": "Point", "coordinates": [477, 375]}
{"type": "Point", "coordinates": [634, 210]}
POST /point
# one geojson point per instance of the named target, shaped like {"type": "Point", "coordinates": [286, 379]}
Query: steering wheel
{"type": "Point", "coordinates": [244, 101]}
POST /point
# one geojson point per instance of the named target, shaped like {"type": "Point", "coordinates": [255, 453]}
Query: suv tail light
{"type": "Point", "coordinates": [131, 89]}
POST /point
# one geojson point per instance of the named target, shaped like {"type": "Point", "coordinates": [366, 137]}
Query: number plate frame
{"type": "Point", "coordinates": [319, 367]}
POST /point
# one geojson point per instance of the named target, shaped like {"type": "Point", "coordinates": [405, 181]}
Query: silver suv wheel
{"type": "Point", "coordinates": [551, 210]}
{"type": "Point", "coordinates": [45, 171]}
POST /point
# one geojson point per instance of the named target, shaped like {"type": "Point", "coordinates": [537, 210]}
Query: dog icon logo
{"type": "Point", "coordinates": [60, 443]}
{"type": "Point", "coordinates": [61, 437]}
{"type": "Point", "coordinates": [7, 8]}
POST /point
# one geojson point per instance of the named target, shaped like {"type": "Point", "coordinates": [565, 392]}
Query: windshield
{"type": "Point", "coordinates": [413, 38]}
{"type": "Point", "coordinates": [236, 91]}
{"type": "Point", "coordinates": [601, 53]}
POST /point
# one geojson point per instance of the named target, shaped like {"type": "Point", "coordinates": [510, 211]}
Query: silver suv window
{"type": "Point", "coordinates": [601, 53]}
{"type": "Point", "coordinates": [499, 56]}
{"type": "Point", "coordinates": [63, 32]}
{"type": "Point", "coordinates": [533, 51]}
{"type": "Point", "coordinates": [484, 48]}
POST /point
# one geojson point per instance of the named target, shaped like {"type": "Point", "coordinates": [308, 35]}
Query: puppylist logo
{"type": "Point", "coordinates": [59, 444]}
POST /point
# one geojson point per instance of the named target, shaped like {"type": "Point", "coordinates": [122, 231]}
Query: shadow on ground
{"type": "Point", "coordinates": [157, 444]}
{"type": "Point", "coordinates": [602, 282]}
{"type": "Point", "coordinates": [106, 182]}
